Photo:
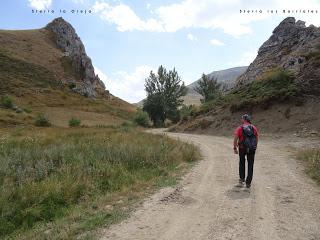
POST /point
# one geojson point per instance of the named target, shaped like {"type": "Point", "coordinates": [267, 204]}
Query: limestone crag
{"type": "Point", "coordinates": [68, 41]}
{"type": "Point", "coordinates": [289, 48]}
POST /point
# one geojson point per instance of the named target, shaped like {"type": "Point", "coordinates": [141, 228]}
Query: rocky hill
{"type": "Point", "coordinates": [280, 88]}
{"type": "Point", "coordinates": [227, 77]}
{"type": "Point", "coordinates": [73, 49]}
{"type": "Point", "coordinates": [48, 71]}
{"type": "Point", "coordinates": [290, 47]}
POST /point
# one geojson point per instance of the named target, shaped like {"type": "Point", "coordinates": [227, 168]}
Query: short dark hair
{"type": "Point", "coordinates": [246, 117]}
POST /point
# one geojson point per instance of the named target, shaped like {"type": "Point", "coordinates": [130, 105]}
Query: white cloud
{"type": "Point", "coordinates": [191, 37]}
{"type": "Point", "coordinates": [40, 4]}
{"type": "Point", "coordinates": [245, 59]}
{"type": "Point", "coordinates": [148, 5]}
{"type": "Point", "coordinates": [216, 42]}
{"type": "Point", "coordinates": [103, 77]}
{"type": "Point", "coordinates": [125, 18]}
{"type": "Point", "coordinates": [127, 86]}
{"type": "Point", "coordinates": [207, 14]}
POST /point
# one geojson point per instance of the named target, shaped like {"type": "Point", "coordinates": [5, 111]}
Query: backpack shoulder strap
{"type": "Point", "coordinates": [243, 132]}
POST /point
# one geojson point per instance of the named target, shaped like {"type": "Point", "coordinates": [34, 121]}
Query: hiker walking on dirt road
{"type": "Point", "coordinates": [245, 144]}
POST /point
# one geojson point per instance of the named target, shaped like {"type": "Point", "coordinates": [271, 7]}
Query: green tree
{"type": "Point", "coordinates": [208, 88]}
{"type": "Point", "coordinates": [164, 92]}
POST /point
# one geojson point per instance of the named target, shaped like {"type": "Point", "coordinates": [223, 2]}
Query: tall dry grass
{"type": "Point", "coordinates": [45, 174]}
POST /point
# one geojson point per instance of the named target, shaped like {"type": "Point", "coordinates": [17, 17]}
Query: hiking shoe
{"type": "Point", "coordinates": [248, 185]}
{"type": "Point", "coordinates": [241, 183]}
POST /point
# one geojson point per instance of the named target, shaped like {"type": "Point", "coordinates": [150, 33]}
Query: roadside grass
{"type": "Point", "coordinates": [276, 85]}
{"type": "Point", "coordinates": [64, 183]}
{"type": "Point", "coordinates": [311, 158]}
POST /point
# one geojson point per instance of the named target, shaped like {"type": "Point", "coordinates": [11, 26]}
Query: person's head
{"type": "Point", "coordinates": [246, 118]}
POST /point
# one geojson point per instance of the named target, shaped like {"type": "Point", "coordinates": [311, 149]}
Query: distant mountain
{"type": "Point", "coordinates": [226, 76]}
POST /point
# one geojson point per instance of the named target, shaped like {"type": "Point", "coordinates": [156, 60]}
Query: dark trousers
{"type": "Point", "coordinates": [242, 165]}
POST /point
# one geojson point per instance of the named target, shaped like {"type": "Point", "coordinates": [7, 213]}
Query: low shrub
{"type": "Point", "coordinates": [74, 122]}
{"type": "Point", "coordinates": [142, 119]}
{"type": "Point", "coordinates": [42, 121]}
{"type": "Point", "coordinates": [127, 126]}
{"type": "Point", "coordinates": [187, 111]}
{"type": "Point", "coordinates": [311, 158]}
{"type": "Point", "coordinates": [6, 101]}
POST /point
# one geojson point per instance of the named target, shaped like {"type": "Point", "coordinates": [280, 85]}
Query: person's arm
{"type": "Point", "coordinates": [235, 144]}
{"type": "Point", "coordinates": [257, 134]}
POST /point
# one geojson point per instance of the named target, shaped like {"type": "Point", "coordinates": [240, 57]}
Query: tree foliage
{"type": "Point", "coordinates": [208, 88]}
{"type": "Point", "coordinates": [164, 92]}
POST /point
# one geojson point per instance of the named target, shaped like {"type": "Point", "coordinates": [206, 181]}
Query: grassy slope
{"type": "Point", "coordinates": [275, 86]}
{"type": "Point", "coordinates": [31, 68]}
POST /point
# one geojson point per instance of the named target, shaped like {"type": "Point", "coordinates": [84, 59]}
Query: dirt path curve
{"type": "Point", "coordinates": [282, 204]}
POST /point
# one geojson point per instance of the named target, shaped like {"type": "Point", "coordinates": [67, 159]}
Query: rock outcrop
{"type": "Point", "coordinates": [289, 48]}
{"type": "Point", "coordinates": [66, 38]}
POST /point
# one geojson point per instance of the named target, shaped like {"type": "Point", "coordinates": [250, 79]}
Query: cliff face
{"type": "Point", "coordinates": [69, 42]}
{"type": "Point", "coordinates": [289, 47]}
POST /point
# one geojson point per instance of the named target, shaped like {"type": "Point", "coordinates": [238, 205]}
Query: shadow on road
{"type": "Point", "coordinates": [238, 192]}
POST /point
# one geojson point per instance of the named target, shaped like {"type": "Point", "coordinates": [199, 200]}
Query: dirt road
{"type": "Point", "coordinates": [283, 203]}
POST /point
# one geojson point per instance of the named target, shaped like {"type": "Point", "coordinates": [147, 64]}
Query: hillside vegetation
{"type": "Point", "coordinates": [276, 85]}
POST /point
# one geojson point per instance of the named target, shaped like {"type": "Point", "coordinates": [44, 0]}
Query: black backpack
{"type": "Point", "coordinates": [250, 139]}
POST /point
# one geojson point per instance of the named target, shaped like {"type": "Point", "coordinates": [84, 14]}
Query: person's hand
{"type": "Point", "coordinates": [235, 150]}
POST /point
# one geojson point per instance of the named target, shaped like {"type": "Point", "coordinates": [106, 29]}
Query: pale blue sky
{"type": "Point", "coordinates": [126, 39]}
